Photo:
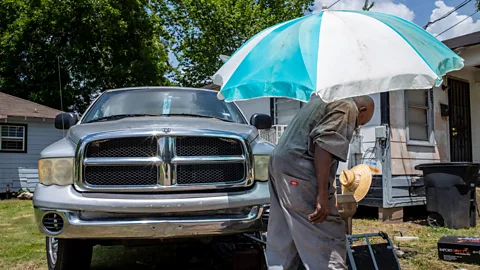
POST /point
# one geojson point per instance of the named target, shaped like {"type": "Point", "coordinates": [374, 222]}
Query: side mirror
{"type": "Point", "coordinates": [261, 121]}
{"type": "Point", "coordinates": [65, 120]}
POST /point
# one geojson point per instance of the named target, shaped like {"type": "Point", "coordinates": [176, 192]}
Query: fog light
{"type": "Point", "coordinates": [52, 223]}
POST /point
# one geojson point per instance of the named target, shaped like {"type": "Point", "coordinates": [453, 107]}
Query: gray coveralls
{"type": "Point", "coordinates": [293, 188]}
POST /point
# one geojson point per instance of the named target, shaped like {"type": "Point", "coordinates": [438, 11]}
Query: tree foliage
{"type": "Point", "coordinates": [201, 30]}
{"type": "Point", "coordinates": [367, 6]}
{"type": "Point", "coordinates": [98, 44]}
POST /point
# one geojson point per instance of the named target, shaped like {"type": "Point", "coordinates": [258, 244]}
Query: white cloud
{"type": "Point", "coordinates": [466, 27]}
{"type": "Point", "coordinates": [385, 6]}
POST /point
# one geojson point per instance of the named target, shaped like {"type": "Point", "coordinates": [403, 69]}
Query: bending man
{"type": "Point", "coordinates": [304, 224]}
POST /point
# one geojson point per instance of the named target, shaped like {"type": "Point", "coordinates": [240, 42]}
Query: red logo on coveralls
{"type": "Point", "coordinates": [294, 183]}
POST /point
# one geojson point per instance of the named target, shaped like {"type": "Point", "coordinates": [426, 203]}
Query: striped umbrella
{"type": "Point", "coordinates": [335, 54]}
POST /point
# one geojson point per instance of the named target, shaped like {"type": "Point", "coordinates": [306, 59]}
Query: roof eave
{"type": "Point", "coordinates": [27, 116]}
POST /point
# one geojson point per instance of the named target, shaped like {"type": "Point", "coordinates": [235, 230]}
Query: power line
{"type": "Point", "coordinates": [333, 4]}
{"type": "Point", "coordinates": [61, 96]}
{"type": "Point", "coordinates": [456, 24]}
{"type": "Point", "coordinates": [448, 13]}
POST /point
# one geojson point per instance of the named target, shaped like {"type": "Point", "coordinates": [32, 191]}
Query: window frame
{"type": "Point", "coordinates": [25, 138]}
{"type": "Point", "coordinates": [430, 120]}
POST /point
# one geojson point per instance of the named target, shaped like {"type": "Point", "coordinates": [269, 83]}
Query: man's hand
{"type": "Point", "coordinates": [322, 210]}
{"type": "Point", "coordinates": [323, 161]}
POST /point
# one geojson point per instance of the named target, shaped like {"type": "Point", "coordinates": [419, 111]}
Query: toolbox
{"type": "Point", "coordinates": [460, 249]}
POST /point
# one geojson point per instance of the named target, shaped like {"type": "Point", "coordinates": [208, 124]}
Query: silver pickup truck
{"type": "Point", "coordinates": [151, 163]}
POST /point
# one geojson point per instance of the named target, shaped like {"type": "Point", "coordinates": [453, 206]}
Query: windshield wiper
{"type": "Point", "coordinates": [198, 115]}
{"type": "Point", "coordinates": [120, 116]}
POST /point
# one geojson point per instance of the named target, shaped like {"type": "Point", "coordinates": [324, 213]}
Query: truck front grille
{"type": "Point", "coordinates": [149, 163]}
{"type": "Point", "coordinates": [210, 173]}
{"type": "Point", "coordinates": [207, 146]}
{"type": "Point", "coordinates": [123, 147]}
{"type": "Point", "coordinates": [121, 175]}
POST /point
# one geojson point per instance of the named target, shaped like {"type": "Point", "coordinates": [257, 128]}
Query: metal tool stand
{"type": "Point", "coordinates": [371, 256]}
{"type": "Point", "coordinates": [261, 239]}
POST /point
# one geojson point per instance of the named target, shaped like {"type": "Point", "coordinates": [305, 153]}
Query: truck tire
{"type": "Point", "coordinates": [69, 254]}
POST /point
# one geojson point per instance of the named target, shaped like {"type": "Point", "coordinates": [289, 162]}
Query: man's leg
{"type": "Point", "coordinates": [320, 246]}
{"type": "Point", "coordinates": [281, 251]}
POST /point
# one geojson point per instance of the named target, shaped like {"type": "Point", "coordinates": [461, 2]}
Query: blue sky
{"type": "Point", "coordinates": [423, 9]}
{"type": "Point", "coordinates": [421, 12]}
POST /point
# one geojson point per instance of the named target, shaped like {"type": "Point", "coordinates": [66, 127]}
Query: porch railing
{"type": "Point", "coordinates": [274, 134]}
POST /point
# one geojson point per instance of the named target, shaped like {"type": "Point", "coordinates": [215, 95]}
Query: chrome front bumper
{"type": "Point", "coordinates": [135, 216]}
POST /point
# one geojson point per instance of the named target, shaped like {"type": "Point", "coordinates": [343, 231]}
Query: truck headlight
{"type": "Point", "coordinates": [260, 168]}
{"type": "Point", "coordinates": [55, 171]}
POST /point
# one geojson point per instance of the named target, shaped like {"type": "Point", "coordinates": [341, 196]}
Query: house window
{"type": "Point", "coordinates": [284, 110]}
{"type": "Point", "coordinates": [13, 138]}
{"type": "Point", "coordinates": [419, 117]}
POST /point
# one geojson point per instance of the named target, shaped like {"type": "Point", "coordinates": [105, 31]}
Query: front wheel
{"type": "Point", "coordinates": [65, 254]}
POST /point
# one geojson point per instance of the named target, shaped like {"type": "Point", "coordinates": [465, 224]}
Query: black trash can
{"type": "Point", "coordinates": [450, 192]}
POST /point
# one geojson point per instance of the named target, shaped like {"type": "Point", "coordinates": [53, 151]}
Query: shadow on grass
{"type": "Point", "coordinates": [413, 214]}
{"type": "Point", "coordinates": [194, 257]}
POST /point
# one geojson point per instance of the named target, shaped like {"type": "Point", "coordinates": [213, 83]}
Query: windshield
{"type": "Point", "coordinates": [164, 102]}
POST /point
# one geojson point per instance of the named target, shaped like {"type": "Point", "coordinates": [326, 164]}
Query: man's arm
{"type": "Point", "coordinates": [323, 160]}
{"type": "Point", "coordinates": [330, 140]}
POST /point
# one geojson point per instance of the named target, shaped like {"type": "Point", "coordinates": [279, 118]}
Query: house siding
{"type": "Point", "coordinates": [475, 112]}
{"type": "Point", "coordinates": [404, 156]}
{"type": "Point", "coordinates": [250, 107]}
{"type": "Point", "coordinates": [19, 170]}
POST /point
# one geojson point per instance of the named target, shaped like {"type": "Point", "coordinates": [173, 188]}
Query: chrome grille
{"type": "Point", "coordinates": [210, 173]}
{"type": "Point", "coordinates": [207, 146]}
{"type": "Point", "coordinates": [121, 175]}
{"type": "Point", "coordinates": [123, 147]}
{"type": "Point", "coordinates": [143, 162]}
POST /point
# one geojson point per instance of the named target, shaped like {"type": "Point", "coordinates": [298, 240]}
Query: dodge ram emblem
{"type": "Point", "coordinates": [166, 130]}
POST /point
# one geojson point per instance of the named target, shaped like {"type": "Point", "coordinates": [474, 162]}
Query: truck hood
{"type": "Point", "coordinates": [158, 124]}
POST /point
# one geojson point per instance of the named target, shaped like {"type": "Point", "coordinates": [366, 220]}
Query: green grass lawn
{"type": "Point", "coordinates": [426, 246]}
{"type": "Point", "coordinates": [23, 247]}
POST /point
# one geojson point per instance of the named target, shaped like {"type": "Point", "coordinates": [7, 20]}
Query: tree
{"type": "Point", "coordinates": [367, 6]}
{"type": "Point", "coordinates": [95, 45]}
{"type": "Point", "coordinates": [201, 30]}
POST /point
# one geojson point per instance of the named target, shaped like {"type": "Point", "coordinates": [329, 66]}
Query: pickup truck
{"type": "Point", "coordinates": [151, 163]}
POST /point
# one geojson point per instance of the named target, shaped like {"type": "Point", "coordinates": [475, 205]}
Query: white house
{"type": "Point", "coordinates": [26, 129]}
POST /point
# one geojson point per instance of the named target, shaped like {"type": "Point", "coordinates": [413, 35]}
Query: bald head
{"type": "Point", "coordinates": [365, 107]}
